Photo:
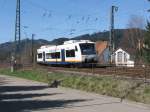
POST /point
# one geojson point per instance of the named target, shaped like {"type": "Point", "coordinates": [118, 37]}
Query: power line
{"type": "Point", "coordinates": [73, 19]}
{"type": "Point", "coordinates": [37, 5]}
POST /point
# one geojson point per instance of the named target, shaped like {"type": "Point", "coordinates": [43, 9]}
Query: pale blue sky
{"type": "Point", "coordinates": [50, 19]}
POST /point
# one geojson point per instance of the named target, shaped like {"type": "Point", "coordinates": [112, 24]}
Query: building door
{"type": "Point", "coordinates": [119, 57]}
{"type": "Point", "coordinates": [63, 55]}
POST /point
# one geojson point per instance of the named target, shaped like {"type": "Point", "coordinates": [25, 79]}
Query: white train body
{"type": "Point", "coordinates": [71, 52]}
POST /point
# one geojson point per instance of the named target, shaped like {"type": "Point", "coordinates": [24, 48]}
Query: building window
{"type": "Point", "coordinates": [70, 53]}
{"type": "Point", "coordinates": [55, 55]}
{"type": "Point", "coordinates": [125, 57]}
{"type": "Point", "coordinates": [119, 56]}
{"type": "Point", "coordinates": [40, 55]}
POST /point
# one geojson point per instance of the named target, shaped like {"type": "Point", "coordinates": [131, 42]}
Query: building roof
{"type": "Point", "coordinates": [131, 51]}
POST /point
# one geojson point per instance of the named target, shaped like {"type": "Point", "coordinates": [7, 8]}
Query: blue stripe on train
{"type": "Point", "coordinates": [59, 63]}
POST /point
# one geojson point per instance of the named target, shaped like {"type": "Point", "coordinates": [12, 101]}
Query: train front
{"type": "Point", "coordinates": [88, 52]}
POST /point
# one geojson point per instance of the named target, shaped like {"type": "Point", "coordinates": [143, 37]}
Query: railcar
{"type": "Point", "coordinates": [70, 53]}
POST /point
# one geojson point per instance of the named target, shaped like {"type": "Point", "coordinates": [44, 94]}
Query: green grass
{"type": "Point", "coordinates": [36, 75]}
{"type": "Point", "coordinates": [101, 85]}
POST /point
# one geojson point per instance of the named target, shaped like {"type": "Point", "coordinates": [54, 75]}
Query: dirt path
{"type": "Point", "coordinates": [19, 95]}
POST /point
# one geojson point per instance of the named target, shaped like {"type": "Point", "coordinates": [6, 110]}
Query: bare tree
{"type": "Point", "coordinates": [134, 36]}
{"type": "Point", "coordinates": [136, 22]}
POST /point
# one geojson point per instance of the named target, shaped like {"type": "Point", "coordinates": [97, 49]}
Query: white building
{"type": "Point", "coordinates": [122, 58]}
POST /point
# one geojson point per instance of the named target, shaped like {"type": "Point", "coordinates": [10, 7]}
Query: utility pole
{"type": "Point", "coordinates": [17, 52]}
{"type": "Point", "coordinates": [32, 47]}
{"type": "Point", "coordinates": [148, 9]}
{"type": "Point", "coordinates": [111, 34]}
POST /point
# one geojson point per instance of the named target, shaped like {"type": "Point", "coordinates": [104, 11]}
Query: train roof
{"type": "Point", "coordinates": [77, 41]}
{"type": "Point", "coordinates": [46, 46]}
{"type": "Point", "coordinates": [67, 42]}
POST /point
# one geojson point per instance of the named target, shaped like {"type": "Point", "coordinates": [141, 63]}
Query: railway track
{"type": "Point", "coordinates": [136, 72]}
{"type": "Point", "coordinates": [132, 73]}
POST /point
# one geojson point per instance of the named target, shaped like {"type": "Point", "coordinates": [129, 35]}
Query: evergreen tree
{"type": "Point", "coordinates": [147, 43]}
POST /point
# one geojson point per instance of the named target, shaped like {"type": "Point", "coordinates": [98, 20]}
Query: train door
{"type": "Point", "coordinates": [63, 55]}
{"type": "Point", "coordinates": [43, 56]}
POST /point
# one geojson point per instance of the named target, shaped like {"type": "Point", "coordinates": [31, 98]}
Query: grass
{"type": "Point", "coordinates": [36, 75]}
{"type": "Point", "coordinates": [101, 85]}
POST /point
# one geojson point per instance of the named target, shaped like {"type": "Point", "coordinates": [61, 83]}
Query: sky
{"type": "Point", "coordinates": [51, 19]}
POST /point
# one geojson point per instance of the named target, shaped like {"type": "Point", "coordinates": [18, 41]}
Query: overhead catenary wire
{"type": "Point", "coordinates": [72, 20]}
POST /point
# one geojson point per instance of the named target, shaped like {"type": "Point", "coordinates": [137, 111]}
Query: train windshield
{"type": "Point", "coordinates": [87, 49]}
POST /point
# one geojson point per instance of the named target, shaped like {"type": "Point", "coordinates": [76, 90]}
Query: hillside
{"type": "Point", "coordinates": [123, 38]}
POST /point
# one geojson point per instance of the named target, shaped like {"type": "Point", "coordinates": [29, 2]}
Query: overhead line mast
{"type": "Point", "coordinates": [17, 52]}
{"type": "Point", "coordinates": [111, 34]}
{"type": "Point", "coordinates": [17, 25]}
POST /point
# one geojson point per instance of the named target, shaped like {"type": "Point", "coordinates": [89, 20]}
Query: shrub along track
{"type": "Point", "coordinates": [140, 78]}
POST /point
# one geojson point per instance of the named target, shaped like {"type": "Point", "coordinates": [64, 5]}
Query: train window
{"type": "Point", "coordinates": [55, 55]}
{"type": "Point", "coordinates": [70, 53]}
{"type": "Point", "coordinates": [87, 49]}
{"type": "Point", "coordinates": [40, 55]}
{"type": "Point", "coordinates": [48, 56]}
